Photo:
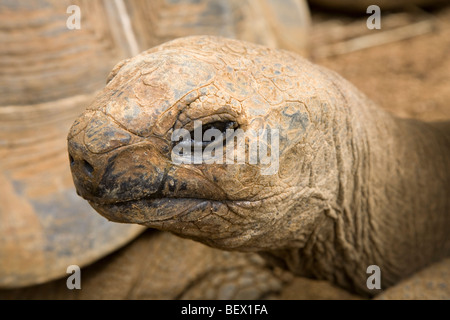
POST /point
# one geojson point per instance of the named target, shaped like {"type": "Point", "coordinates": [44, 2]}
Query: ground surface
{"type": "Point", "coordinates": [410, 78]}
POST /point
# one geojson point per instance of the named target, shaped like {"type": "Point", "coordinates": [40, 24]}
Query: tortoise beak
{"type": "Point", "coordinates": [129, 173]}
{"type": "Point", "coordinates": [109, 164]}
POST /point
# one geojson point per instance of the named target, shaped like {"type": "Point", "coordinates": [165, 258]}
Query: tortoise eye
{"type": "Point", "coordinates": [193, 141]}
{"type": "Point", "coordinates": [222, 126]}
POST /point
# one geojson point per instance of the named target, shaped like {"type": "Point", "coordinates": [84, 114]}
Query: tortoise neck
{"type": "Point", "coordinates": [391, 207]}
{"type": "Point", "coordinates": [395, 212]}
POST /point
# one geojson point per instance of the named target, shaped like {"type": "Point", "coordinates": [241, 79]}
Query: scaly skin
{"type": "Point", "coordinates": [355, 186]}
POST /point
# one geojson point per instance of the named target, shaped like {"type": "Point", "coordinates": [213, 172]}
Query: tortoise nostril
{"type": "Point", "coordinates": [72, 160]}
{"type": "Point", "coordinates": [88, 167]}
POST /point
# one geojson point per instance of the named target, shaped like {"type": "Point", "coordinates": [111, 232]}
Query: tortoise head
{"type": "Point", "coordinates": [202, 137]}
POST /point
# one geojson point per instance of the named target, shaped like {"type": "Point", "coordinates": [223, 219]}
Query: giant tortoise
{"type": "Point", "coordinates": [348, 188]}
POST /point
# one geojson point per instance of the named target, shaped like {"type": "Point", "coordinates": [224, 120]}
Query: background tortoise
{"type": "Point", "coordinates": [48, 75]}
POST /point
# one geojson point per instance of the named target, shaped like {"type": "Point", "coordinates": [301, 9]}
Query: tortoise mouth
{"type": "Point", "coordinates": [151, 211]}
{"type": "Point", "coordinates": [149, 199]}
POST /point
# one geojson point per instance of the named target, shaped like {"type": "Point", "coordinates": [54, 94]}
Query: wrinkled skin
{"type": "Point", "coordinates": [355, 186]}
